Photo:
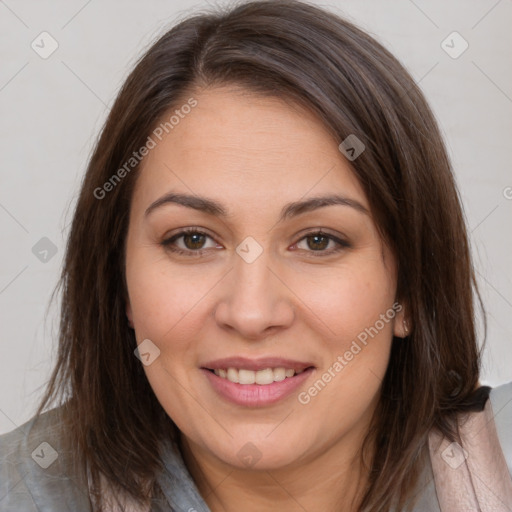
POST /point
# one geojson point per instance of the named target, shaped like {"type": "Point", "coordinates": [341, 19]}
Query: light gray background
{"type": "Point", "coordinates": [53, 109]}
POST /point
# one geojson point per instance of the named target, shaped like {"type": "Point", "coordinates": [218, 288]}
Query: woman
{"type": "Point", "coordinates": [267, 291]}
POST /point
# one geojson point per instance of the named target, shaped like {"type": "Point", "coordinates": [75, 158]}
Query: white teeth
{"type": "Point", "coordinates": [232, 375]}
{"type": "Point", "coordinates": [246, 376]}
{"type": "Point", "coordinates": [279, 374]}
{"type": "Point", "coordinates": [262, 377]}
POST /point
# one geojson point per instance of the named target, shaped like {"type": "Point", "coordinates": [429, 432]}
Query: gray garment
{"type": "Point", "coordinates": [36, 475]}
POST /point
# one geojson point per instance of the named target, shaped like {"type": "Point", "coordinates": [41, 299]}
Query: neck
{"type": "Point", "coordinates": [333, 480]}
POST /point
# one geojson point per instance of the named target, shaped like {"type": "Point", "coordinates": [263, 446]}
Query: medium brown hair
{"type": "Point", "coordinates": [295, 51]}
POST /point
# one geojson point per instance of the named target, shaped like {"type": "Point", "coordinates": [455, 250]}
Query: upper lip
{"type": "Point", "coordinates": [256, 364]}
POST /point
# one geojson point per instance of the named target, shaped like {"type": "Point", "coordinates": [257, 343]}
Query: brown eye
{"type": "Point", "coordinates": [317, 242]}
{"type": "Point", "coordinates": [189, 242]}
{"type": "Point", "coordinates": [194, 240]}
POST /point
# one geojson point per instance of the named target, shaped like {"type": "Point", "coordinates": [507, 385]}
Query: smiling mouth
{"type": "Point", "coordinates": [256, 382]}
{"type": "Point", "coordinates": [262, 377]}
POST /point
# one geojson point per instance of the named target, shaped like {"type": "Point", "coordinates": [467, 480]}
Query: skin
{"type": "Point", "coordinates": [255, 154]}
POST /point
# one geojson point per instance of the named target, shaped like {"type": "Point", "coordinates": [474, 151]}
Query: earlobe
{"type": "Point", "coordinates": [406, 328]}
{"type": "Point", "coordinates": [402, 326]}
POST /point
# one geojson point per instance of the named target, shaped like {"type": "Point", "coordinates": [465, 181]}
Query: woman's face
{"type": "Point", "coordinates": [256, 293]}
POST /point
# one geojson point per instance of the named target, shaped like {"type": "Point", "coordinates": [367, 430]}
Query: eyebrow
{"type": "Point", "coordinates": [289, 210]}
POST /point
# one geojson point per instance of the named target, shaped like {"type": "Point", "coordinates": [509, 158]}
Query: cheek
{"type": "Point", "coordinates": [156, 307]}
{"type": "Point", "coordinates": [350, 299]}
{"type": "Point", "coordinates": [356, 308]}
{"type": "Point", "coordinates": [164, 300]}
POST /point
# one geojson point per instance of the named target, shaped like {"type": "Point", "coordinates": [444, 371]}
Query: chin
{"type": "Point", "coordinates": [259, 450]}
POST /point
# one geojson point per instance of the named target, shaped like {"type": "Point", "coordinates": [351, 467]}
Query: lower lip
{"type": "Point", "coordinates": [256, 395]}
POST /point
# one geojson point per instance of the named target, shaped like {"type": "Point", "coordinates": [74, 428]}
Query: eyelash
{"type": "Point", "coordinates": [167, 244]}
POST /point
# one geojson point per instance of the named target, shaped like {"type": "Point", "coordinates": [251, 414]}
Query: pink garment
{"type": "Point", "coordinates": [472, 476]}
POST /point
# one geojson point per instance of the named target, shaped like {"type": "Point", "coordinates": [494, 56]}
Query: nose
{"type": "Point", "coordinates": [255, 300]}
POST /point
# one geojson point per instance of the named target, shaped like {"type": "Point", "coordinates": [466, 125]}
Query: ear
{"type": "Point", "coordinates": [129, 313]}
{"type": "Point", "coordinates": [402, 324]}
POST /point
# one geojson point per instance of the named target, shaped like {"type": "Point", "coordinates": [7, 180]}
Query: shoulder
{"type": "Point", "coordinates": [36, 471]}
{"type": "Point", "coordinates": [501, 402]}
{"type": "Point", "coordinates": [449, 470]}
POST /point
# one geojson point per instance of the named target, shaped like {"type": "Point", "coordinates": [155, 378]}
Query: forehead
{"type": "Point", "coordinates": [247, 150]}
